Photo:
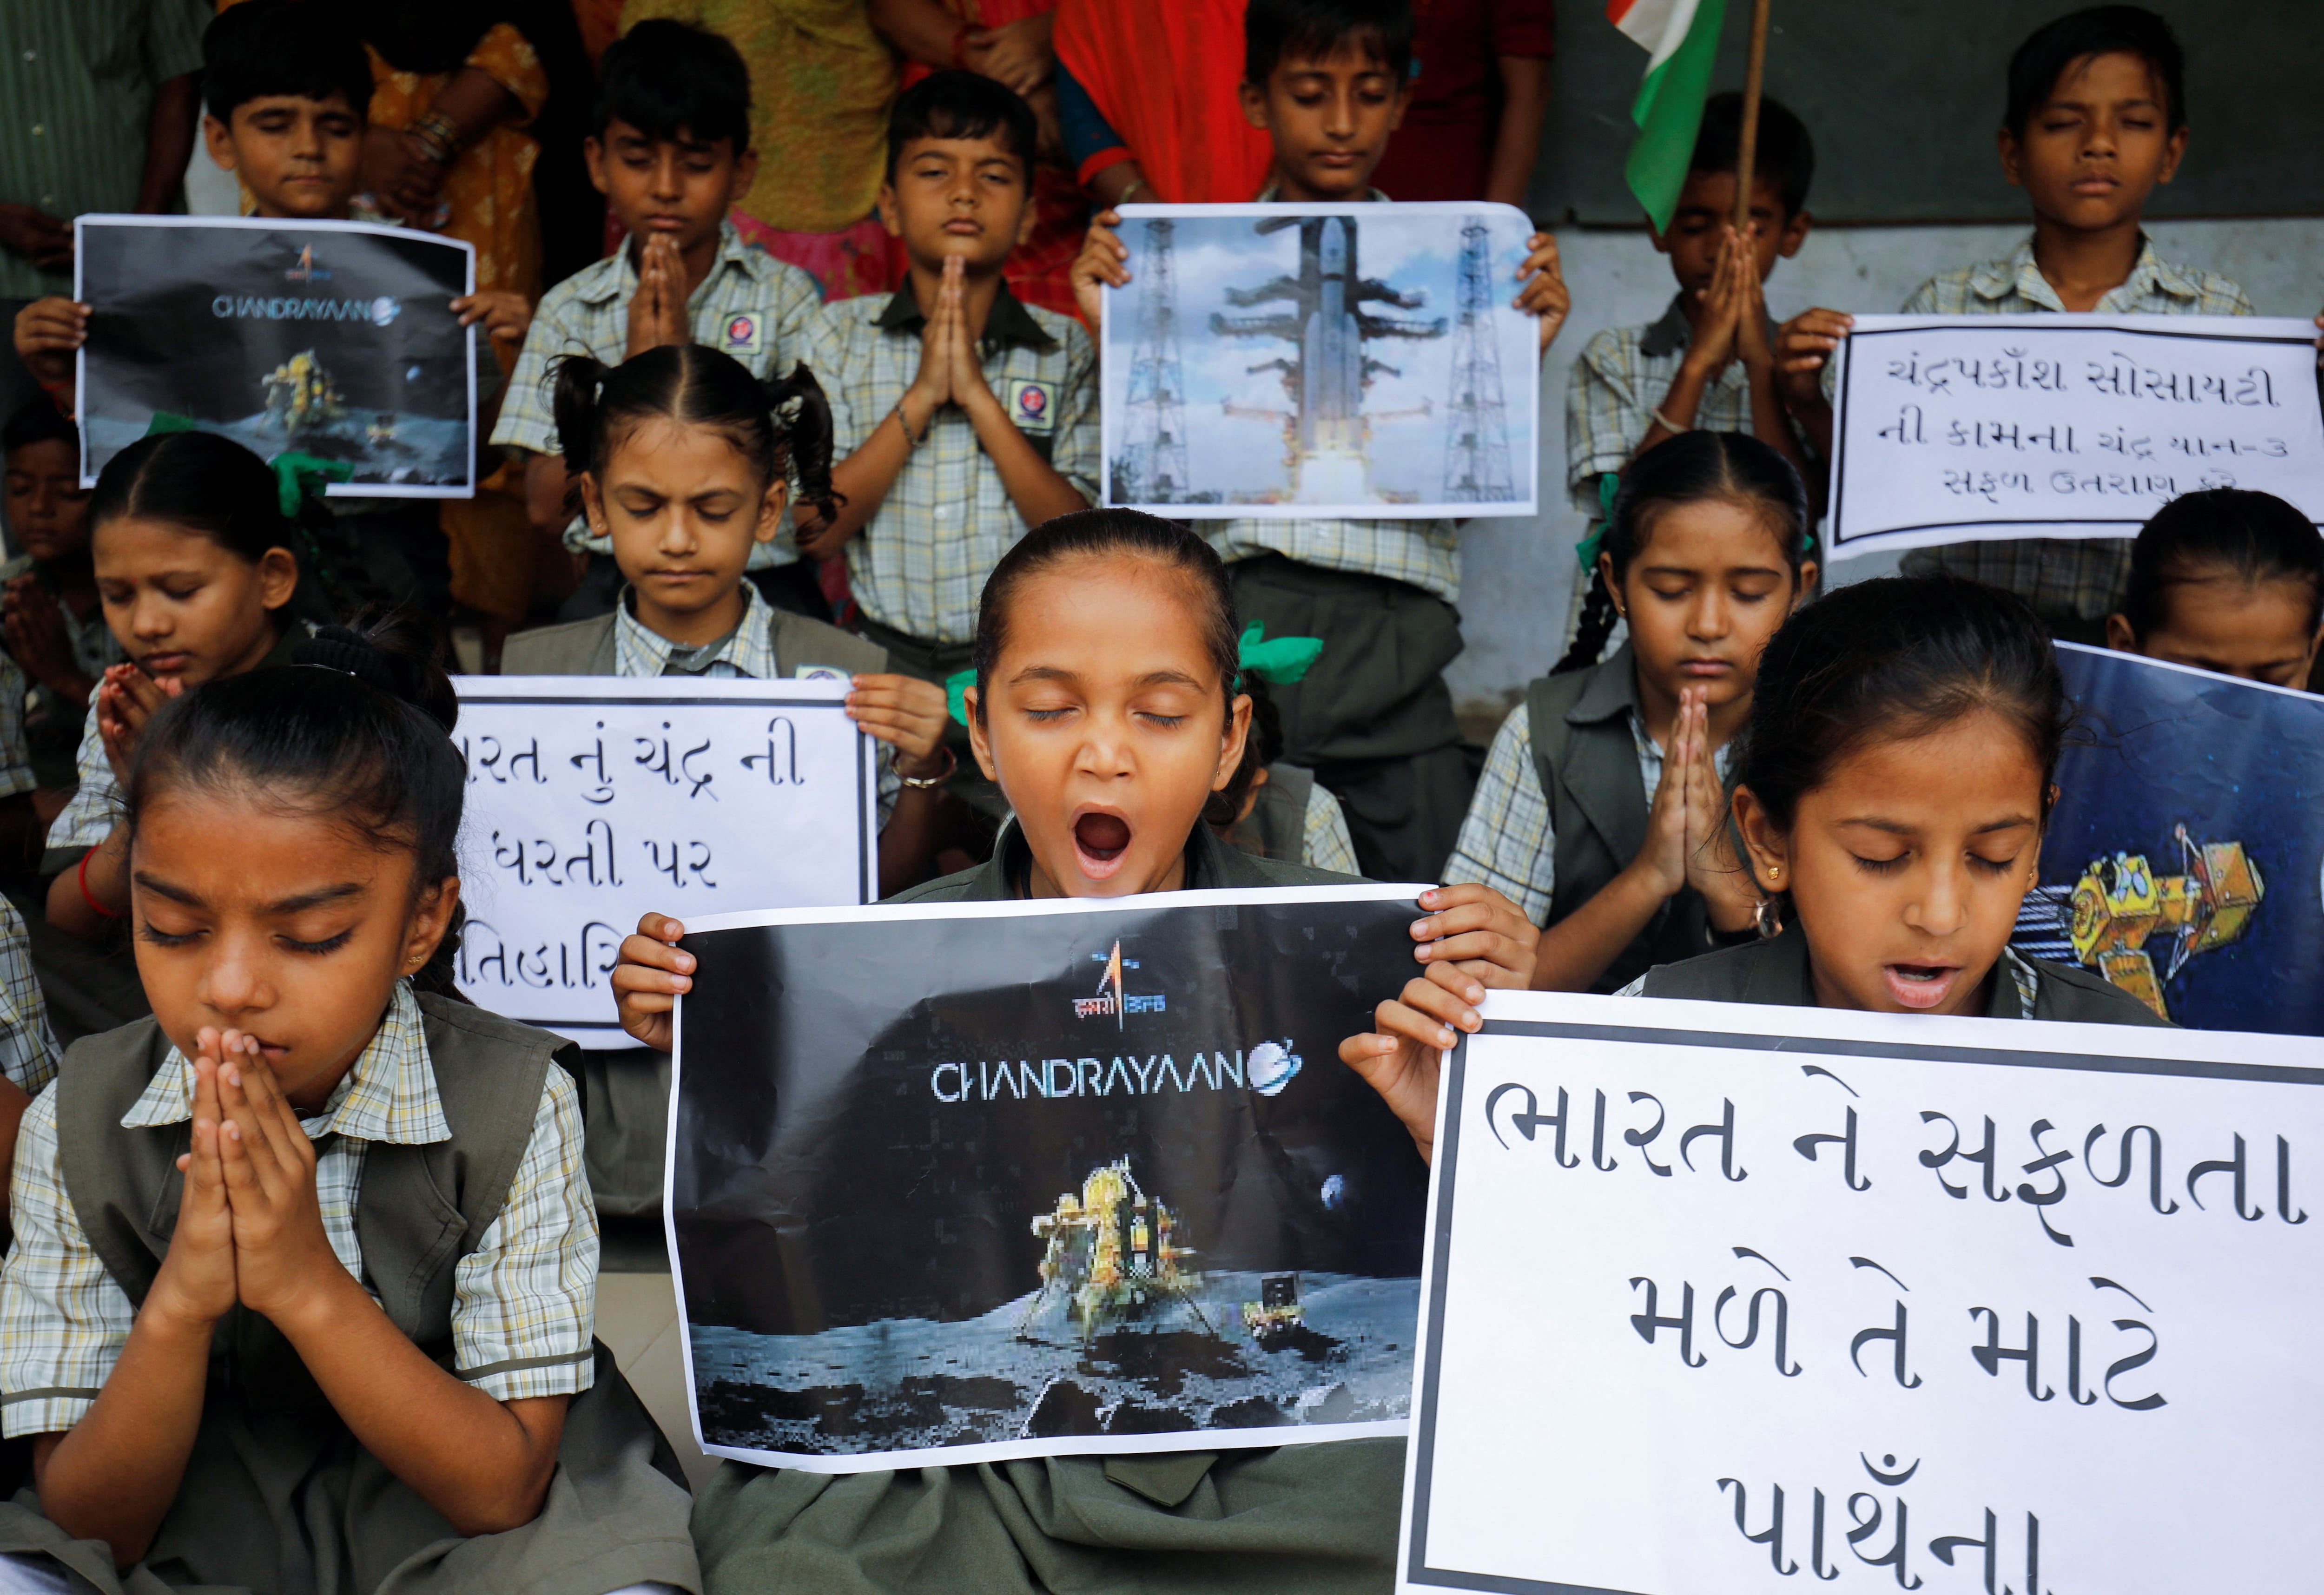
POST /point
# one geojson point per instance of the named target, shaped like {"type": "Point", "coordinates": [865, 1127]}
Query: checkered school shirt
{"type": "Point", "coordinates": [94, 646]}
{"type": "Point", "coordinates": [28, 1047]}
{"type": "Point", "coordinates": [749, 649]}
{"type": "Point", "coordinates": [921, 563]}
{"type": "Point", "coordinates": [2084, 576]}
{"type": "Point", "coordinates": [1323, 836]}
{"type": "Point", "coordinates": [524, 1301]}
{"type": "Point", "coordinates": [1507, 841]}
{"type": "Point", "coordinates": [748, 291]}
{"type": "Point", "coordinates": [1624, 375]}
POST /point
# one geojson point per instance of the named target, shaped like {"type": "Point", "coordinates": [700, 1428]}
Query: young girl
{"type": "Point", "coordinates": [1105, 710]}
{"type": "Point", "coordinates": [194, 564]}
{"type": "Point", "coordinates": [684, 459]}
{"type": "Point", "coordinates": [1602, 809]}
{"type": "Point", "coordinates": [2226, 580]}
{"type": "Point", "coordinates": [305, 1263]}
{"type": "Point", "coordinates": [1891, 790]}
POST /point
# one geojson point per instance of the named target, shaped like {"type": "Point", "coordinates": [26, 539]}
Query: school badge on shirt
{"type": "Point", "coordinates": [744, 333]}
{"type": "Point", "coordinates": [1033, 406]}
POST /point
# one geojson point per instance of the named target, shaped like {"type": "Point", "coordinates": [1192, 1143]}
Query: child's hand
{"type": "Point", "coordinates": [1713, 348]}
{"type": "Point", "coordinates": [1713, 868]}
{"type": "Point", "coordinates": [197, 1281]}
{"type": "Point", "coordinates": [126, 700]}
{"type": "Point", "coordinates": [33, 627]}
{"type": "Point", "coordinates": [1751, 346]}
{"type": "Point", "coordinates": [1543, 295]}
{"type": "Point", "coordinates": [931, 388]}
{"type": "Point", "coordinates": [49, 332]}
{"type": "Point", "coordinates": [909, 714]}
{"type": "Point", "coordinates": [1802, 346]}
{"type": "Point", "coordinates": [281, 1254]}
{"type": "Point", "coordinates": [506, 315]}
{"type": "Point", "coordinates": [657, 309]}
{"type": "Point", "coordinates": [45, 240]}
{"type": "Point", "coordinates": [1670, 827]}
{"type": "Point", "coordinates": [965, 381]}
{"type": "Point", "coordinates": [1104, 263]}
{"type": "Point", "coordinates": [1472, 938]}
{"type": "Point", "coordinates": [649, 978]}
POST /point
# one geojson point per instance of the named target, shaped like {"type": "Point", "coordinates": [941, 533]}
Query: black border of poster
{"type": "Point", "coordinates": [1978, 323]}
{"type": "Point", "coordinates": [1448, 1149]}
{"type": "Point", "coordinates": [866, 764]}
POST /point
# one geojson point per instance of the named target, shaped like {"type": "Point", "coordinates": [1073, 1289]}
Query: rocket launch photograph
{"type": "Point", "coordinates": [1361, 361]}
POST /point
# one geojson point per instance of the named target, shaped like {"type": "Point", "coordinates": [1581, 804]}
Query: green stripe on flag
{"type": "Point", "coordinates": [1668, 112]}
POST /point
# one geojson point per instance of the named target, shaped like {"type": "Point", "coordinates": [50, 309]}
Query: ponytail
{"type": "Point", "coordinates": [803, 415]}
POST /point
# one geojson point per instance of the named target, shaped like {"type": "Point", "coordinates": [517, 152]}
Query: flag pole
{"type": "Point", "coordinates": [1746, 156]}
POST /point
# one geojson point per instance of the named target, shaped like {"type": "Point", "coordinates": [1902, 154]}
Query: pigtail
{"type": "Point", "coordinates": [803, 430]}
{"type": "Point", "coordinates": [578, 380]}
{"type": "Point", "coordinates": [1590, 634]}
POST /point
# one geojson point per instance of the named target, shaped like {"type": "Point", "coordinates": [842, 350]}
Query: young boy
{"type": "Point", "coordinates": [964, 416]}
{"type": "Point", "coordinates": [670, 148]}
{"type": "Point", "coordinates": [2096, 120]}
{"type": "Point", "coordinates": [1328, 79]}
{"type": "Point", "coordinates": [1708, 363]}
{"type": "Point", "coordinates": [286, 85]}
{"type": "Point", "coordinates": [51, 621]}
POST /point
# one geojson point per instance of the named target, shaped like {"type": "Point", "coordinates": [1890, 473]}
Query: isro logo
{"type": "Point", "coordinates": [307, 270]}
{"type": "Point", "coordinates": [1111, 999]}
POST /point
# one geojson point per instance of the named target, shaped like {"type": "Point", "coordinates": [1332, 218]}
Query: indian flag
{"type": "Point", "coordinates": [1680, 38]}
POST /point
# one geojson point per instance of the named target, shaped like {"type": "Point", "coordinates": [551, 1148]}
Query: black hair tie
{"type": "Point", "coordinates": [351, 653]}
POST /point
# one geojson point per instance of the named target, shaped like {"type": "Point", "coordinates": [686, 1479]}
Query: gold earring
{"type": "Point", "coordinates": [1774, 871]}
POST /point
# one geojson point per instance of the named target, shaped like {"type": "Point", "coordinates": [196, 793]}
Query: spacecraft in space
{"type": "Point", "coordinates": [2138, 927]}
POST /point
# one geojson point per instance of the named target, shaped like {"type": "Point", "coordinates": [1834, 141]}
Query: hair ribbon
{"type": "Point", "coordinates": [1280, 660]}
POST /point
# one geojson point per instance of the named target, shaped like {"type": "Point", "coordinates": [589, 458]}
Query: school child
{"type": "Point", "coordinates": [195, 566]}
{"type": "Point", "coordinates": [1602, 811]}
{"type": "Point", "coordinates": [286, 86]}
{"type": "Point", "coordinates": [50, 616]}
{"type": "Point", "coordinates": [1329, 80]}
{"type": "Point", "coordinates": [305, 1262]}
{"type": "Point", "coordinates": [964, 417]}
{"type": "Point", "coordinates": [669, 147]}
{"type": "Point", "coordinates": [2096, 121]}
{"type": "Point", "coordinates": [1272, 807]}
{"type": "Point", "coordinates": [2226, 580]}
{"type": "Point", "coordinates": [684, 459]}
{"type": "Point", "coordinates": [1104, 707]}
{"type": "Point", "coordinates": [1892, 788]}
{"type": "Point", "coordinates": [1708, 363]}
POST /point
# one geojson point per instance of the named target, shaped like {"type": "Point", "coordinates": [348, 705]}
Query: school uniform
{"type": "Point", "coordinates": [1561, 808]}
{"type": "Point", "coordinates": [1297, 1519]}
{"type": "Point", "coordinates": [1773, 971]}
{"type": "Point", "coordinates": [450, 1179]}
{"type": "Point", "coordinates": [2072, 582]}
{"type": "Point", "coordinates": [1295, 819]}
{"type": "Point", "coordinates": [37, 735]}
{"type": "Point", "coordinates": [629, 1087]}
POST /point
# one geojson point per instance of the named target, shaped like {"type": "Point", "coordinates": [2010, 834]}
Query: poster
{"type": "Point", "coordinates": [1358, 361]}
{"type": "Point", "coordinates": [593, 800]}
{"type": "Point", "coordinates": [1952, 429]}
{"type": "Point", "coordinates": [954, 1183]}
{"type": "Point", "coordinates": [332, 338]}
{"type": "Point", "coordinates": [1728, 1300]}
{"type": "Point", "coordinates": [2182, 862]}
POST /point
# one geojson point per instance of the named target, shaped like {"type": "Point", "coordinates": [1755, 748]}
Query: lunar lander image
{"type": "Point", "coordinates": [1271, 1319]}
{"type": "Point", "coordinates": [1326, 433]}
{"type": "Point", "coordinates": [1112, 1255]}
{"type": "Point", "coordinates": [2138, 928]}
{"type": "Point", "coordinates": [300, 396]}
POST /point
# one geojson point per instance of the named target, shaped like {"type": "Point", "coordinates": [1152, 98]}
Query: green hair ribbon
{"type": "Point", "coordinates": [1281, 659]}
{"type": "Point", "coordinates": [956, 686]}
{"type": "Point", "coordinates": [1587, 549]}
{"type": "Point", "coordinates": [298, 477]}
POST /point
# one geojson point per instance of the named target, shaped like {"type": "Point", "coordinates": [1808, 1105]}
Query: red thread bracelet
{"type": "Point", "coordinates": [87, 896]}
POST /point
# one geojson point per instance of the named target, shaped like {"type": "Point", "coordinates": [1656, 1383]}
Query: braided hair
{"type": "Point", "coordinates": [1687, 469]}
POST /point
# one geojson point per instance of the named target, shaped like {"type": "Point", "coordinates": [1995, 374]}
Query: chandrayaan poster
{"type": "Point", "coordinates": [1364, 361]}
{"type": "Point", "coordinates": [2182, 862]}
{"type": "Point", "coordinates": [332, 339]}
{"type": "Point", "coordinates": [954, 1183]}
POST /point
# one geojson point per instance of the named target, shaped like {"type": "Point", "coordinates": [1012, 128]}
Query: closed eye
{"type": "Point", "coordinates": [328, 944]}
{"type": "Point", "coordinates": [151, 932]}
{"type": "Point", "coordinates": [1881, 866]}
{"type": "Point", "coordinates": [1992, 866]}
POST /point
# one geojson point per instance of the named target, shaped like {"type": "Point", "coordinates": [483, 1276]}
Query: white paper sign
{"type": "Point", "coordinates": [593, 800]}
{"type": "Point", "coordinates": [1723, 1300]}
{"type": "Point", "coordinates": [1952, 429]}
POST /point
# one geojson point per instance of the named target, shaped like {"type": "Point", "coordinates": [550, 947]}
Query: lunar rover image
{"type": "Point", "coordinates": [2138, 927]}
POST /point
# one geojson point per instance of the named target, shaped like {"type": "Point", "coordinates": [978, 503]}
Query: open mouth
{"type": "Point", "coordinates": [1101, 840]}
{"type": "Point", "coordinates": [1921, 986]}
